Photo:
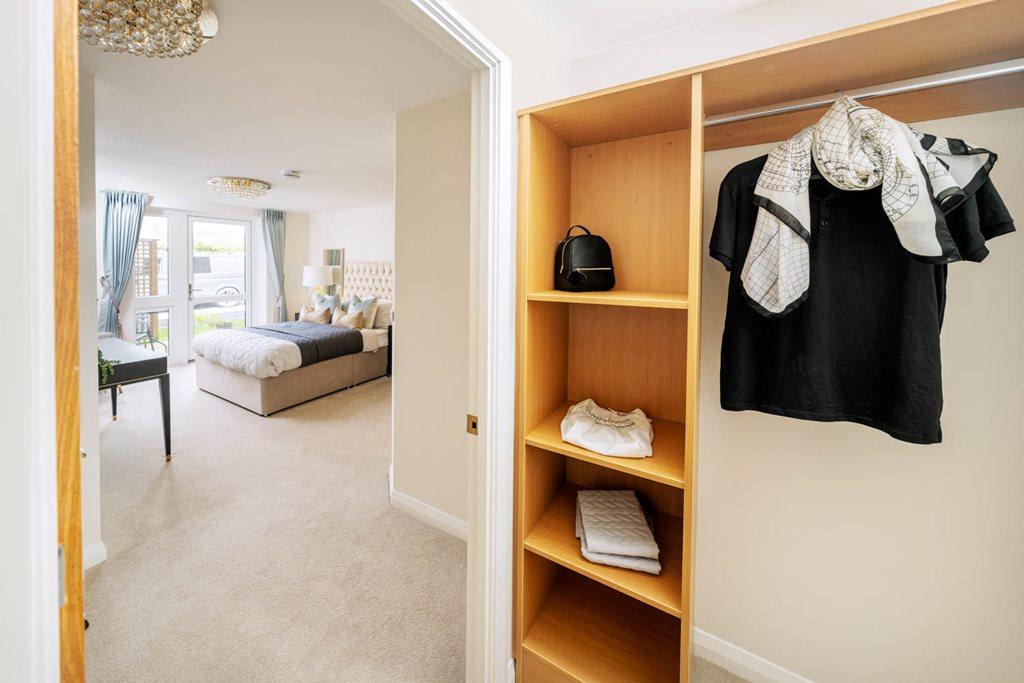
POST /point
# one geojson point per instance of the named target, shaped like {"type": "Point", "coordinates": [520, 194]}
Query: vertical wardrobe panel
{"type": "Point", "coordinates": [634, 193]}
{"type": "Point", "coordinates": [696, 245]}
{"type": "Point", "coordinates": [543, 211]}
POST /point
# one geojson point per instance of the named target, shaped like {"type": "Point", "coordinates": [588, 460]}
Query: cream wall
{"type": "Point", "coordinates": [432, 291]}
{"type": "Point", "coordinates": [366, 233]}
{"type": "Point", "coordinates": [763, 25]}
{"type": "Point", "coordinates": [842, 554]}
{"type": "Point", "coordinates": [296, 254]}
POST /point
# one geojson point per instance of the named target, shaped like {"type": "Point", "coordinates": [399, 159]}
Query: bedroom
{"type": "Point", "coordinates": [296, 425]}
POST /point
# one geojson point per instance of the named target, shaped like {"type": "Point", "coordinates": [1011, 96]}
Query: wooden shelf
{"type": "Point", "coordinates": [614, 298]}
{"type": "Point", "coordinates": [591, 633]}
{"type": "Point", "coordinates": [665, 466]}
{"type": "Point", "coordinates": [554, 537]}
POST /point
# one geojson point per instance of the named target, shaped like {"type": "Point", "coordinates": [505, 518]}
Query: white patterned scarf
{"type": "Point", "coordinates": [855, 148]}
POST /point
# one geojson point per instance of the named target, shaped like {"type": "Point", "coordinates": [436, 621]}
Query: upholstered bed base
{"type": "Point", "coordinates": [266, 396]}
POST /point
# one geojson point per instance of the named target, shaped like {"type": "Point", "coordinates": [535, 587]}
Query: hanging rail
{"type": "Point", "coordinates": [973, 73]}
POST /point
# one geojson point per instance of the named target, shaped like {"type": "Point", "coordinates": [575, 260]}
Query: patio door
{"type": "Point", "coordinates": [219, 274]}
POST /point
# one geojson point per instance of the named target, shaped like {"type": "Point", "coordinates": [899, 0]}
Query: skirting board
{"type": "Point", "coordinates": [429, 514]}
{"type": "Point", "coordinates": [93, 555]}
{"type": "Point", "coordinates": [741, 662]}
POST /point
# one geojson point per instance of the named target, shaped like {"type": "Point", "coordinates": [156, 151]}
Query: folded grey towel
{"type": "Point", "coordinates": [613, 530]}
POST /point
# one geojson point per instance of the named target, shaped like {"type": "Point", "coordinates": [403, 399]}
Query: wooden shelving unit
{"type": "Point", "coordinates": [617, 297]}
{"type": "Point", "coordinates": [627, 163]}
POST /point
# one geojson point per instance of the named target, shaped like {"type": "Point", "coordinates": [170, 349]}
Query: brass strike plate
{"type": "Point", "coordinates": [472, 424]}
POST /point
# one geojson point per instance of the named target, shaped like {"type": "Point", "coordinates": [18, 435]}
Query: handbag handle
{"type": "Point", "coordinates": [581, 227]}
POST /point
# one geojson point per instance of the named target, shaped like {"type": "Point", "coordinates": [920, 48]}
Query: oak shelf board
{"type": "Point", "coordinates": [554, 537]}
{"type": "Point", "coordinates": [591, 633]}
{"type": "Point", "coordinates": [675, 300]}
{"type": "Point", "coordinates": [666, 466]}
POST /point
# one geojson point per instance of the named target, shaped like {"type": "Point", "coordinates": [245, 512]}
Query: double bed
{"type": "Point", "coordinates": [267, 368]}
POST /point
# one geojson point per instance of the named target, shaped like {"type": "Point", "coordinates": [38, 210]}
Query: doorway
{"type": "Point", "coordinates": [493, 247]}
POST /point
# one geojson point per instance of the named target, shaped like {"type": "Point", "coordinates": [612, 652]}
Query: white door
{"type": "Point", "coordinates": [219, 274]}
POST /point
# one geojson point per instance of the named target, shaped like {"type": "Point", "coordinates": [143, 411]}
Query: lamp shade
{"type": "Point", "coordinates": [315, 276]}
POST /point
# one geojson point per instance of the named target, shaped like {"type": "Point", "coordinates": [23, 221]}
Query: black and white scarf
{"type": "Point", "coordinates": [855, 148]}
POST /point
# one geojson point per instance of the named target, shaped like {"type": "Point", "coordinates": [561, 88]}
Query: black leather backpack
{"type": "Point", "coordinates": [583, 263]}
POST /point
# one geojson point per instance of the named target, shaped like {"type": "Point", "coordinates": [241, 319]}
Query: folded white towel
{"type": "Point", "coordinates": [613, 530]}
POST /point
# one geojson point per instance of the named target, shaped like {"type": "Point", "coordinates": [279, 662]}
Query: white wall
{"type": "Point", "coordinates": [93, 550]}
{"type": "Point", "coordinates": [842, 554]}
{"type": "Point", "coordinates": [16, 584]}
{"type": "Point", "coordinates": [540, 69]}
{"type": "Point", "coordinates": [766, 24]}
{"type": "Point", "coordinates": [366, 234]}
{"type": "Point", "coordinates": [432, 289]}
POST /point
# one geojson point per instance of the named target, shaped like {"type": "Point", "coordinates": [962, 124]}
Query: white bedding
{"type": "Point", "coordinates": [253, 354]}
{"type": "Point", "coordinates": [262, 357]}
{"type": "Point", "coordinates": [374, 339]}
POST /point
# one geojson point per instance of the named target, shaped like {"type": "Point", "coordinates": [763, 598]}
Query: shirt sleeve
{"type": "Point", "coordinates": [723, 235]}
{"type": "Point", "coordinates": [981, 217]}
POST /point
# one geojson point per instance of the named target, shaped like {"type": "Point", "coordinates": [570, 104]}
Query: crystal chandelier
{"type": "Point", "coordinates": [239, 188]}
{"type": "Point", "coordinates": [153, 28]}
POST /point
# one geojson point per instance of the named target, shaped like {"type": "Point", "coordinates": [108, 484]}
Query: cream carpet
{"type": "Point", "coordinates": [267, 551]}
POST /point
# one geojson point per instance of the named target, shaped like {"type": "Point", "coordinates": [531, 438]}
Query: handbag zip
{"type": "Point", "coordinates": [604, 268]}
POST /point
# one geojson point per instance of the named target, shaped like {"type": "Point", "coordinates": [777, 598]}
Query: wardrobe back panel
{"type": "Point", "coordinates": [626, 358]}
{"type": "Point", "coordinates": [635, 194]}
{"type": "Point", "coordinates": [545, 201]}
{"type": "Point", "coordinates": [589, 476]}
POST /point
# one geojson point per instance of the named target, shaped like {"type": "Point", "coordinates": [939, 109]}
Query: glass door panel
{"type": "Point", "coordinates": [219, 274]}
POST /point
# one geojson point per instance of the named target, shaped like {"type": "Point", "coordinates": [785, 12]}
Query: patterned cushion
{"type": "Point", "coordinates": [321, 316]}
{"type": "Point", "coordinates": [353, 321]}
{"type": "Point", "coordinates": [367, 306]}
{"type": "Point", "coordinates": [332, 302]}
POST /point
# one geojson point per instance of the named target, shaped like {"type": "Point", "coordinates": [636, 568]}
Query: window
{"type": "Point", "coordinates": [151, 258]}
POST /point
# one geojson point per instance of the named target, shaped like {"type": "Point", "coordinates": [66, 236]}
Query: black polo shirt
{"type": "Point", "coordinates": [864, 346]}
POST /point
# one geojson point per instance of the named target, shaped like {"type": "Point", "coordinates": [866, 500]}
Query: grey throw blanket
{"type": "Point", "coordinates": [316, 341]}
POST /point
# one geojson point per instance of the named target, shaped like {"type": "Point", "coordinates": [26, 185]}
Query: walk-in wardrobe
{"type": "Point", "coordinates": [627, 163]}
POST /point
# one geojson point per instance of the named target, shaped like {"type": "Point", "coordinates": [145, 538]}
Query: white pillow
{"type": "Point", "coordinates": [385, 314]}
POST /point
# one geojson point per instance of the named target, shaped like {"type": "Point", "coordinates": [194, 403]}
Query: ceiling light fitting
{"type": "Point", "coordinates": [151, 28]}
{"type": "Point", "coordinates": [239, 188]}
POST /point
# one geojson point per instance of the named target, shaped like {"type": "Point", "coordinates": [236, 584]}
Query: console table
{"type": "Point", "coordinates": [133, 364]}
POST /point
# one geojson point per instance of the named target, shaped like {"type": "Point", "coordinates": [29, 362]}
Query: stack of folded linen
{"type": "Point", "coordinates": [613, 530]}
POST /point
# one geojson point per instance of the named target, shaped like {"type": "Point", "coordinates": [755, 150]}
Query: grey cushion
{"type": "Point", "coordinates": [333, 302]}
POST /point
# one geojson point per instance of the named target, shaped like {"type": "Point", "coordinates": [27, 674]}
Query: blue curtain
{"type": "Point", "coordinates": [273, 240]}
{"type": "Point", "coordinates": [122, 222]}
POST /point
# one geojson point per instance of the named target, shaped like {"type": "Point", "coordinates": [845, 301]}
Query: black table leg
{"type": "Point", "coordinates": [165, 405]}
{"type": "Point", "coordinates": [113, 401]}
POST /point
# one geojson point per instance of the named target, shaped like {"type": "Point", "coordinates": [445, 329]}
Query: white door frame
{"type": "Point", "coordinates": [489, 600]}
{"type": "Point", "coordinates": [489, 582]}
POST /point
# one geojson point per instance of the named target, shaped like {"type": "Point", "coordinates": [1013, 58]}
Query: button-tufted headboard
{"type": "Point", "coordinates": [370, 278]}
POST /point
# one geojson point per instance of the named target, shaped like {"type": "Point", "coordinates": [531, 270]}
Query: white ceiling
{"type": "Point", "coordinates": [312, 85]}
{"type": "Point", "coordinates": [583, 27]}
